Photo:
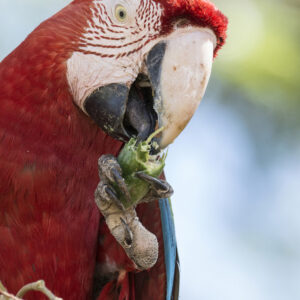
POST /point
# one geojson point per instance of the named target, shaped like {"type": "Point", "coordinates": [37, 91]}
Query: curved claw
{"type": "Point", "coordinates": [105, 196]}
{"type": "Point", "coordinates": [119, 180]}
{"type": "Point", "coordinates": [110, 172]}
{"type": "Point", "coordinates": [113, 196]}
{"type": "Point", "coordinates": [158, 184]}
{"type": "Point", "coordinates": [159, 188]}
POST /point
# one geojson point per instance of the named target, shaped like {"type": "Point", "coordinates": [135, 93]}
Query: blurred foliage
{"type": "Point", "coordinates": [262, 50]}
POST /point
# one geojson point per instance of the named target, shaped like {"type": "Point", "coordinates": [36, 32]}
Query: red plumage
{"type": "Point", "coordinates": [197, 12]}
{"type": "Point", "coordinates": [48, 155]}
{"type": "Point", "coordinates": [50, 227]}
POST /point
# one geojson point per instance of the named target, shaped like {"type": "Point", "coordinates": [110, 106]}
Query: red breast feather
{"type": "Point", "coordinates": [48, 157]}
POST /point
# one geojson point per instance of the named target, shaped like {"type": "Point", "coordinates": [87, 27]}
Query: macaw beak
{"type": "Point", "coordinates": [167, 94]}
{"type": "Point", "coordinates": [180, 85]}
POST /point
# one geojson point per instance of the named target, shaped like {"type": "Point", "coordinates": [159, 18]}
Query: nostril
{"type": "Point", "coordinates": [182, 23]}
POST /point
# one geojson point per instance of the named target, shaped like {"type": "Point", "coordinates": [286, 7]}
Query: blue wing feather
{"type": "Point", "coordinates": [170, 246]}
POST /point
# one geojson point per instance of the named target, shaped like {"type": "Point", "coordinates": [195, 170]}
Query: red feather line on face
{"type": "Point", "coordinates": [148, 17]}
{"type": "Point", "coordinates": [144, 31]}
{"type": "Point", "coordinates": [116, 46]}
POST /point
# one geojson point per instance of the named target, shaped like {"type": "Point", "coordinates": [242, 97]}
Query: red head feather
{"type": "Point", "coordinates": [199, 12]}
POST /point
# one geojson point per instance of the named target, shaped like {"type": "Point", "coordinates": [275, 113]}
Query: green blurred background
{"type": "Point", "coordinates": [236, 167]}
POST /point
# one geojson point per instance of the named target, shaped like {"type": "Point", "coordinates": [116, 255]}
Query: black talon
{"type": "Point", "coordinates": [111, 193]}
{"type": "Point", "coordinates": [106, 164]}
{"type": "Point", "coordinates": [121, 183]}
{"type": "Point", "coordinates": [158, 188]}
{"type": "Point", "coordinates": [113, 196]}
{"type": "Point", "coordinates": [110, 172]}
{"type": "Point", "coordinates": [117, 176]}
{"type": "Point", "coordinates": [156, 183]}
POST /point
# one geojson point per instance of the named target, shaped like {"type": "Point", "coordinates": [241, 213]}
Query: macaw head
{"type": "Point", "coordinates": [138, 65]}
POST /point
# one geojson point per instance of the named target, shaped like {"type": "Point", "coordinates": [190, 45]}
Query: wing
{"type": "Point", "coordinates": [170, 249]}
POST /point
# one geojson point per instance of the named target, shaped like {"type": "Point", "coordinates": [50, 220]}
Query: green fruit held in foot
{"type": "Point", "coordinates": [135, 158]}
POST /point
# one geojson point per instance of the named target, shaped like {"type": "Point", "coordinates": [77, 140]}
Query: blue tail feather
{"type": "Point", "coordinates": [170, 245]}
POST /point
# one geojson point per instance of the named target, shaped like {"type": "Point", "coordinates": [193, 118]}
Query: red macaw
{"type": "Point", "coordinates": [83, 82]}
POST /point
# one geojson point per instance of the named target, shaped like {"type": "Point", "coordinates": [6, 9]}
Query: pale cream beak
{"type": "Point", "coordinates": [185, 71]}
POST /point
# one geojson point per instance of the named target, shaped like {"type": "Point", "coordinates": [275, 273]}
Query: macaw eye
{"type": "Point", "coordinates": [121, 13]}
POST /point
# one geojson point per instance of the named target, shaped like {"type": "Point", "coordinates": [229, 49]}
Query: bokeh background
{"type": "Point", "coordinates": [236, 167]}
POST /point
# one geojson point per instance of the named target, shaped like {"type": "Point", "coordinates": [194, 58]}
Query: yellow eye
{"type": "Point", "coordinates": [121, 13]}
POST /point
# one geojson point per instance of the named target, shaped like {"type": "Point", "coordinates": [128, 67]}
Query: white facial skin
{"type": "Point", "coordinates": [112, 50]}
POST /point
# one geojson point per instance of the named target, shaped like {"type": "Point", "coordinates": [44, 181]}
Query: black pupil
{"type": "Point", "coordinates": [122, 14]}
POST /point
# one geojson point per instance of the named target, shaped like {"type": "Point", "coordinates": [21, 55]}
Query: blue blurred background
{"type": "Point", "coordinates": [236, 167]}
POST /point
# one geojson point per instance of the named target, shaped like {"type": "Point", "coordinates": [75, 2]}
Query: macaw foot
{"type": "Point", "coordinates": [140, 245]}
{"type": "Point", "coordinates": [110, 173]}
